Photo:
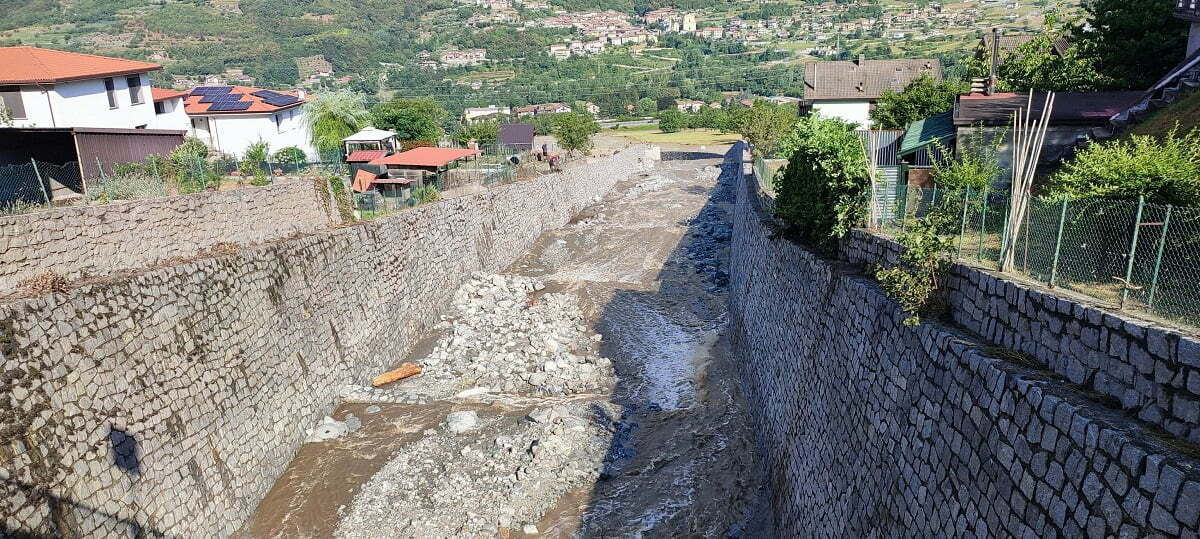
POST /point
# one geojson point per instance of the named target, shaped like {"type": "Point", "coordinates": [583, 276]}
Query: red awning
{"type": "Point", "coordinates": [363, 156]}
{"type": "Point", "coordinates": [425, 157]}
{"type": "Point", "coordinates": [363, 180]}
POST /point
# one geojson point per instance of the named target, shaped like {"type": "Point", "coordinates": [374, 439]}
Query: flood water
{"type": "Point", "coordinates": [648, 265]}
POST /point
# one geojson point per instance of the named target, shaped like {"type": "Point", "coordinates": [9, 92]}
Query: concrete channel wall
{"type": "Point", "coordinates": [874, 429]}
{"type": "Point", "coordinates": [168, 401]}
{"type": "Point", "coordinates": [98, 240]}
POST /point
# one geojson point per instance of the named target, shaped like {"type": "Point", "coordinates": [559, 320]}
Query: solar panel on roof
{"type": "Point", "coordinates": [229, 106]}
{"type": "Point", "coordinates": [266, 94]}
{"type": "Point", "coordinates": [213, 98]}
{"type": "Point", "coordinates": [211, 90]}
{"type": "Point", "coordinates": [281, 101]}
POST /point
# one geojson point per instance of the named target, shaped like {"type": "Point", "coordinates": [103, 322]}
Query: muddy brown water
{"type": "Point", "coordinates": [685, 465]}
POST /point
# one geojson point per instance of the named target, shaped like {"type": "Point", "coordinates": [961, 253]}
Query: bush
{"type": "Point", "coordinates": [823, 191]}
{"type": "Point", "coordinates": [1165, 171]}
{"type": "Point", "coordinates": [914, 282]}
{"type": "Point", "coordinates": [976, 166]}
{"type": "Point", "coordinates": [290, 155]}
{"type": "Point", "coordinates": [190, 166]}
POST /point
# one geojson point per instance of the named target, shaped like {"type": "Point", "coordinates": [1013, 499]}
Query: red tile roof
{"type": "Point", "coordinates": [163, 94]}
{"type": "Point", "coordinates": [192, 104]}
{"type": "Point", "coordinates": [425, 157]}
{"type": "Point", "coordinates": [362, 156]}
{"type": "Point", "coordinates": [31, 65]}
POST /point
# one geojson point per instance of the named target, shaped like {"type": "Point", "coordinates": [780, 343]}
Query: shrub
{"type": "Point", "coordinates": [429, 193]}
{"type": "Point", "coordinates": [290, 155]}
{"type": "Point", "coordinates": [190, 166]}
{"type": "Point", "coordinates": [1165, 171]}
{"type": "Point", "coordinates": [914, 282]}
{"type": "Point", "coordinates": [822, 192]}
{"type": "Point", "coordinates": [976, 166]}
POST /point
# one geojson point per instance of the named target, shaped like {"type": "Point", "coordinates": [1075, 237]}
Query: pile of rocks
{"type": "Point", "coordinates": [482, 472]}
{"type": "Point", "coordinates": [506, 336]}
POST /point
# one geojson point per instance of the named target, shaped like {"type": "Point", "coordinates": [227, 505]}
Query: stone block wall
{"type": "Point", "coordinates": [874, 429]}
{"type": "Point", "coordinates": [98, 240]}
{"type": "Point", "coordinates": [1153, 371]}
{"type": "Point", "coordinates": [167, 402]}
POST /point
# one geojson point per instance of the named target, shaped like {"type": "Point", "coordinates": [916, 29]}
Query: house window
{"type": "Point", "coordinates": [10, 98]}
{"type": "Point", "coordinates": [110, 88]}
{"type": "Point", "coordinates": [160, 107]}
{"type": "Point", "coordinates": [135, 89]}
{"type": "Point", "coordinates": [278, 123]}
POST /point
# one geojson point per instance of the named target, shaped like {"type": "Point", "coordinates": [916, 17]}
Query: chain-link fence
{"type": "Point", "coordinates": [1127, 253]}
{"type": "Point", "coordinates": [25, 187]}
{"type": "Point", "coordinates": [38, 184]}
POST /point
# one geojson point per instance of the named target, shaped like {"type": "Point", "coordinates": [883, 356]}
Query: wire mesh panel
{"type": "Point", "coordinates": [1095, 245]}
{"type": "Point", "coordinates": [1130, 255]}
{"type": "Point", "coordinates": [19, 186]}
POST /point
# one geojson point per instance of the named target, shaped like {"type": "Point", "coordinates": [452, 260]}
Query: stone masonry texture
{"type": "Point", "coordinates": [168, 401]}
{"type": "Point", "coordinates": [98, 240]}
{"type": "Point", "coordinates": [874, 429]}
{"type": "Point", "coordinates": [1150, 371]}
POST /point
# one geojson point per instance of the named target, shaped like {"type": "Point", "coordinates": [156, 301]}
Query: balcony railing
{"type": "Point", "coordinates": [1188, 9]}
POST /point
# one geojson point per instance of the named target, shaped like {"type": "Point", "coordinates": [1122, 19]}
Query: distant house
{"type": "Point", "coordinates": [231, 118]}
{"type": "Point", "coordinates": [481, 114]}
{"type": "Point", "coordinates": [849, 89]}
{"type": "Point", "coordinates": [689, 105]}
{"type": "Point", "coordinates": [544, 108]}
{"type": "Point", "coordinates": [49, 88]}
{"type": "Point", "coordinates": [1010, 43]}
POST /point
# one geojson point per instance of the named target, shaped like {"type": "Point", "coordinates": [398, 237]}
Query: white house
{"type": "Point", "coordinates": [231, 118]}
{"type": "Point", "coordinates": [49, 88]}
{"type": "Point", "coordinates": [849, 89]}
{"type": "Point", "coordinates": [168, 110]}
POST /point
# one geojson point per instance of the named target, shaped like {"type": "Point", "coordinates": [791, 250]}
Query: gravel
{"type": "Point", "coordinates": [502, 474]}
{"type": "Point", "coordinates": [506, 337]}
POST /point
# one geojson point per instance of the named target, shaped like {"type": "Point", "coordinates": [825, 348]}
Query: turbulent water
{"type": "Point", "coordinates": [665, 450]}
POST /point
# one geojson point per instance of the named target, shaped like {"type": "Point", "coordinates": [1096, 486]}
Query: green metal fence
{"type": "Point", "coordinates": [1128, 254]}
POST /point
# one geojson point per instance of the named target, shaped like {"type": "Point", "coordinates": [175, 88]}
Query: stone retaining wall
{"type": "Point", "coordinates": [1152, 370]}
{"type": "Point", "coordinates": [98, 240]}
{"type": "Point", "coordinates": [874, 429]}
{"type": "Point", "coordinates": [169, 401]}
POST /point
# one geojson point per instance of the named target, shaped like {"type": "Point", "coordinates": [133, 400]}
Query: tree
{"type": "Point", "coordinates": [574, 131]}
{"type": "Point", "coordinates": [823, 191]}
{"type": "Point", "coordinates": [921, 98]}
{"type": "Point", "coordinates": [1132, 42]}
{"type": "Point", "coordinates": [1037, 65]}
{"type": "Point", "coordinates": [671, 121]}
{"type": "Point", "coordinates": [5, 117]}
{"type": "Point", "coordinates": [1165, 171]}
{"type": "Point", "coordinates": [482, 132]}
{"type": "Point", "coordinates": [334, 116]}
{"type": "Point", "coordinates": [413, 120]}
{"type": "Point", "coordinates": [762, 124]}
{"type": "Point", "coordinates": [646, 106]}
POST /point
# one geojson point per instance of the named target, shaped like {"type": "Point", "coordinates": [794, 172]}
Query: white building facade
{"type": "Point", "coordinates": [231, 132]}
{"type": "Point", "coordinates": [48, 88]}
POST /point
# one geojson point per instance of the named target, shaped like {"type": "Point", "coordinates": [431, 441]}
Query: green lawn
{"type": "Point", "coordinates": [696, 137]}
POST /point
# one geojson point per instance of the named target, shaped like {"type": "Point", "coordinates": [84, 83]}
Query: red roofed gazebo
{"type": "Point", "coordinates": [425, 164]}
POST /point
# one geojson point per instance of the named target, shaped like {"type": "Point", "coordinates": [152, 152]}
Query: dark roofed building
{"type": "Point", "coordinates": [849, 89]}
{"type": "Point", "coordinates": [1010, 44]}
{"type": "Point", "coordinates": [1073, 118]}
{"type": "Point", "coordinates": [1090, 109]}
{"type": "Point", "coordinates": [517, 136]}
